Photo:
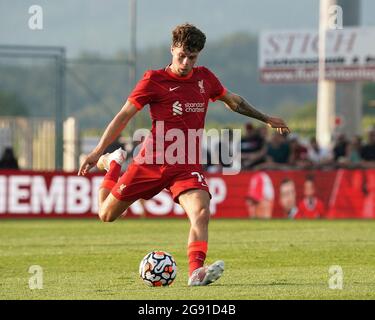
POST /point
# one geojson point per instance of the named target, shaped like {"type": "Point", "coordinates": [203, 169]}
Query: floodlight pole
{"type": "Point", "coordinates": [60, 110]}
{"type": "Point", "coordinates": [133, 49]}
{"type": "Point", "coordinates": [325, 114]}
{"type": "Point", "coordinates": [349, 94]}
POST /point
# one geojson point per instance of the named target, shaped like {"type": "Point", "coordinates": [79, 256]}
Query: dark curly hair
{"type": "Point", "coordinates": [188, 37]}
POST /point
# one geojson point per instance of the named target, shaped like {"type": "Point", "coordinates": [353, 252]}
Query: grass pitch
{"type": "Point", "coordinates": [87, 259]}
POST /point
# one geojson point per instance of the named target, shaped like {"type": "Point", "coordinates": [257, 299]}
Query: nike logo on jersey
{"type": "Point", "coordinates": [173, 89]}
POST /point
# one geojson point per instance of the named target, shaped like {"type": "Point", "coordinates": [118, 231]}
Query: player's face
{"type": "Point", "coordinates": [287, 196]}
{"type": "Point", "coordinates": [183, 60]}
{"type": "Point", "coordinates": [309, 189]}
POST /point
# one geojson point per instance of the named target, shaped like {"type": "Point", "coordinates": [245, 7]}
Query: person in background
{"type": "Point", "coordinates": [115, 145]}
{"type": "Point", "coordinates": [339, 149]}
{"type": "Point", "coordinates": [298, 153]}
{"type": "Point", "coordinates": [260, 196]}
{"type": "Point", "coordinates": [253, 148]}
{"type": "Point", "coordinates": [368, 150]}
{"type": "Point", "coordinates": [278, 151]}
{"type": "Point", "coordinates": [310, 206]}
{"type": "Point", "coordinates": [353, 152]}
{"type": "Point", "coordinates": [8, 159]}
{"type": "Point", "coordinates": [288, 198]}
{"type": "Point", "coordinates": [318, 155]}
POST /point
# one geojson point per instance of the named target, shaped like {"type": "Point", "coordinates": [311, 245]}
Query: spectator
{"type": "Point", "coordinates": [224, 152]}
{"type": "Point", "coordinates": [318, 155]}
{"type": "Point", "coordinates": [310, 206]}
{"type": "Point", "coordinates": [339, 149]}
{"type": "Point", "coordinates": [368, 150]}
{"type": "Point", "coordinates": [353, 151]}
{"type": "Point", "coordinates": [8, 160]}
{"type": "Point", "coordinates": [253, 150]}
{"type": "Point", "coordinates": [298, 153]}
{"type": "Point", "coordinates": [278, 150]}
{"type": "Point", "coordinates": [115, 145]}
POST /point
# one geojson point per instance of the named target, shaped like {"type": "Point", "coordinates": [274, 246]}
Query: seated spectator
{"type": "Point", "coordinates": [278, 150]}
{"type": "Point", "coordinates": [339, 149]}
{"type": "Point", "coordinates": [8, 160]}
{"type": "Point", "coordinates": [368, 150]}
{"type": "Point", "coordinates": [318, 155]}
{"type": "Point", "coordinates": [224, 153]}
{"type": "Point", "coordinates": [115, 145]}
{"type": "Point", "coordinates": [298, 153]}
{"type": "Point", "coordinates": [353, 152]}
{"type": "Point", "coordinates": [253, 148]}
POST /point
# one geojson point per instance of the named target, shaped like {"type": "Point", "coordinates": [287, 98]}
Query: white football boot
{"type": "Point", "coordinates": [203, 276]}
{"type": "Point", "coordinates": [105, 160]}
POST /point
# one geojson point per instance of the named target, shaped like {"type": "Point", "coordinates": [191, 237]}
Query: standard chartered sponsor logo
{"type": "Point", "coordinates": [177, 108]}
{"type": "Point", "coordinates": [194, 107]}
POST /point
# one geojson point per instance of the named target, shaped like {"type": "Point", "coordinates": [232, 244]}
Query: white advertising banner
{"type": "Point", "coordinates": [293, 56]}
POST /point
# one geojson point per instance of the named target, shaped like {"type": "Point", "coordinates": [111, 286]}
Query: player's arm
{"type": "Point", "coordinates": [238, 104]}
{"type": "Point", "coordinates": [112, 131]}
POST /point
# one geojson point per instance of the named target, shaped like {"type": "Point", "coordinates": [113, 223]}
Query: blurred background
{"type": "Point", "coordinates": [81, 65]}
{"type": "Point", "coordinates": [66, 68]}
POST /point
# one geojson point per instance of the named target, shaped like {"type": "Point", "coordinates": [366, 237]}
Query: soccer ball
{"type": "Point", "coordinates": [158, 268]}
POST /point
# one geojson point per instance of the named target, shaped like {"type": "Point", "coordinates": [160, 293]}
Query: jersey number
{"type": "Point", "coordinates": [200, 178]}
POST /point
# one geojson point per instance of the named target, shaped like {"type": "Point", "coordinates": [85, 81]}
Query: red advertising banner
{"type": "Point", "coordinates": [258, 194]}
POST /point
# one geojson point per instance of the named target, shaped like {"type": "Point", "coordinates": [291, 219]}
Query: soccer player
{"type": "Point", "coordinates": [310, 207]}
{"type": "Point", "coordinates": [178, 96]}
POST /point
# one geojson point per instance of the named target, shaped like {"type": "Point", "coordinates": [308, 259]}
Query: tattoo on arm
{"type": "Point", "coordinates": [247, 109]}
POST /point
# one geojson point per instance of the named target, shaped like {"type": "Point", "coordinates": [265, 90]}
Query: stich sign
{"type": "Point", "coordinates": [293, 56]}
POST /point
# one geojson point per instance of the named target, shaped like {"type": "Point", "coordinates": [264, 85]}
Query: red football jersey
{"type": "Point", "coordinates": [175, 103]}
{"type": "Point", "coordinates": [310, 210]}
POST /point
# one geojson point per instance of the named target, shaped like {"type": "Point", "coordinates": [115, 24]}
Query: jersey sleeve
{"type": "Point", "coordinates": [217, 89]}
{"type": "Point", "coordinates": [144, 91]}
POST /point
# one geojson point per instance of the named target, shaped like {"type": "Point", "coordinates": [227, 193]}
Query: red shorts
{"type": "Point", "coordinates": [143, 181]}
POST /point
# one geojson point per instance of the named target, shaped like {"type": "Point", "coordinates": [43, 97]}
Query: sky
{"type": "Point", "coordinates": [103, 26]}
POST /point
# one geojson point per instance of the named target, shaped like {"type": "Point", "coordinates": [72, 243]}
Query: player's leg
{"type": "Point", "coordinates": [196, 203]}
{"type": "Point", "coordinates": [110, 208]}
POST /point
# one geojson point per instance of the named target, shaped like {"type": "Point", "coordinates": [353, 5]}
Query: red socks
{"type": "Point", "coordinates": [197, 251]}
{"type": "Point", "coordinates": [111, 177]}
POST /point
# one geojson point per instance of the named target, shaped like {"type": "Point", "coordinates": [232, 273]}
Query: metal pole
{"type": "Point", "coordinates": [325, 114]}
{"type": "Point", "coordinates": [60, 110]}
{"type": "Point", "coordinates": [133, 49]}
{"type": "Point", "coordinates": [349, 94]}
{"type": "Point", "coordinates": [59, 55]}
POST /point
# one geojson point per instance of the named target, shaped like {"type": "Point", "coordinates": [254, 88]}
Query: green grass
{"type": "Point", "coordinates": [277, 259]}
